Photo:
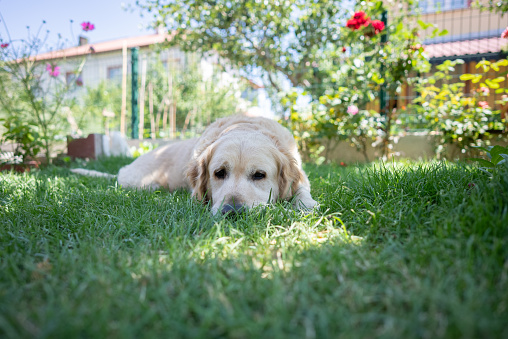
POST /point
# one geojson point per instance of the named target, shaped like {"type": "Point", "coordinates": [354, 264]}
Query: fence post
{"type": "Point", "coordinates": [134, 94]}
{"type": "Point", "coordinates": [382, 92]}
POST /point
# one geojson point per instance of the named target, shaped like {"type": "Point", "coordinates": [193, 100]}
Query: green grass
{"type": "Point", "coordinates": [394, 251]}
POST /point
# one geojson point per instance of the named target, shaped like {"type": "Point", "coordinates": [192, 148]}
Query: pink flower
{"type": "Point", "coordinates": [483, 104]}
{"type": "Point", "coordinates": [353, 110]}
{"type": "Point", "coordinates": [504, 35]}
{"type": "Point", "coordinates": [4, 45]}
{"type": "Point", "coordinates": [53, 70]}
{"type": "Point", "coordinates": [485, 90]}
{"type": "Point", "coordinates": [87, 26]}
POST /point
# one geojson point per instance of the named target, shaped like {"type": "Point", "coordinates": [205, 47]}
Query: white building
{"type": "Point", "coordinates": [111, 60]}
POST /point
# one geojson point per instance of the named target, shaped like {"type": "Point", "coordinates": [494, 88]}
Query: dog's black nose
{"type": "Point", "coordinates": [233, 209]}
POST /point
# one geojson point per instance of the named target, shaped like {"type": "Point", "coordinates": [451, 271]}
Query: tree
{"type": "Point", "coordinates": [289, 41]}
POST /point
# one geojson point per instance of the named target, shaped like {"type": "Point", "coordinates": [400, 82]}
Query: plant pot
{"type": "Point", "coordinates": [19, 168]}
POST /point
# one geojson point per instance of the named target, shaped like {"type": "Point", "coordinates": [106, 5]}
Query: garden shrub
{"type": "Point", "coordinates": [461, 120]}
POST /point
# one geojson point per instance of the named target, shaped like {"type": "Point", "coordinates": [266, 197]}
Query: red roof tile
{"type": "Point", "coordinates": [468, 47]}
{"type": "Point", "coordinates": [107, 46]}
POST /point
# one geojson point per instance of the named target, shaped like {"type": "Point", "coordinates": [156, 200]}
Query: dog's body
{"type": "Point", "coordinates": [239, 162]}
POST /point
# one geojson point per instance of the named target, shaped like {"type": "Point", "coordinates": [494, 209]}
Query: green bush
{"type": "Point", "coordinates": [462, 120]}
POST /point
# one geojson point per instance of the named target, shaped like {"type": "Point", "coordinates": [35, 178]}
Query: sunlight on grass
{"type": "Point", "coordinates": [392, 249]}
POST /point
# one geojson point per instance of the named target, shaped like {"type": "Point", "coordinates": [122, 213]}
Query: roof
{"type": "Point", "coordinates": [106, 46]}
{"type": "Point", "coordinates": [467, 47]}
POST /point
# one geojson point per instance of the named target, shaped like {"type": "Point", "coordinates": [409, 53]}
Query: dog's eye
{"type": "Point", "coordinates": [259, 175]}
{"type": "Point", "coordinates": [220, 174]}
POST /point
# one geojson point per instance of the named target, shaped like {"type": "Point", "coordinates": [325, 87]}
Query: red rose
{"type": "Point", "coordinates": [359, 15]}
{"type": "Point", "coordinates": [352, 23]}
{"type": "Point", "coordinates": [358, 20]}
{"type": "Point", "coordinates": [378, 26]}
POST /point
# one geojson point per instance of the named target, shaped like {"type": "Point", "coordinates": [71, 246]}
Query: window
{"type": "Point", "coordinates": [172, 63]}
{"type": "Point", "coordinates": [430, 6]}
{"type": "Point", "coordinates": [69, 77]}
{"type": "Point", "coordinates": [115, 73]}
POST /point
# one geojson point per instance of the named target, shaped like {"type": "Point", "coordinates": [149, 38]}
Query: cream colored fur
{"type": "Point", "coordinates": [244, 148]}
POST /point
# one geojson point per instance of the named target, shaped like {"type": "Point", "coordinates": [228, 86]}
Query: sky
{"type": "Point", "coordinates": [110, 18]}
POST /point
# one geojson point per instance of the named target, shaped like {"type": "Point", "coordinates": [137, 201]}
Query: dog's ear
{"type": "Point", "coordinates": [197, 175]}
{"type": "Point", "coordinates": [290, 175]}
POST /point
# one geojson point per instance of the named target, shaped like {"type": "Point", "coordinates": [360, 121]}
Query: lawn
{"type": "Point", "coordinates": [394, 251]}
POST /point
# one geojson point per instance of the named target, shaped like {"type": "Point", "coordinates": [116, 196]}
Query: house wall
{"type": "Point", "coordinates": [464, 24]}
{"type": "Point", "coordinates": [96, 66]}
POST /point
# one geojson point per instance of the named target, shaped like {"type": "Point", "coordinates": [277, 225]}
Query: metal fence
{"type": "Point", "coordinates": [174, 102]}
{"type": "Point", "coordinates": [150, 92]}
{"type": "Point", "coordinates": [473, 35]}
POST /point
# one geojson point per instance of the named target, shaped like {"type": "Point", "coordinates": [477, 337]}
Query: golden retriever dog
{"type": "Point", "coordinates": [239, 162]}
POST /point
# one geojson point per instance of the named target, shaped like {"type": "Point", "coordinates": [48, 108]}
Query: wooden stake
{"type": "Point", "coordinates": [124, 89]}
{"type": "Point", "coordinates": [150, 110]}
{"type": "Point", "coordinates": [187, 120]}
{"type": "Point", "coordinates": [158, 117]}
{"type": "Point", "coordinates": [170, 102]}
{"type": "Point", "coordinates": [173, 120]}
{"type": "Point", "coordinates": [165, 116]}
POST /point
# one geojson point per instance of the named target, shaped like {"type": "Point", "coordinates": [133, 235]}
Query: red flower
{"type": "Point", "coordinates": [87, 26]}
{"type": "Point", "coordinates": [343, 49]}
{"type": "Point", "coordinates": [378, 26]}
{"type": "Point", "coordinates": [358, 20]}
{"type": "Point", "coordinates": [483, 104]}
{"type": "Point", "coordinates": [359, 15]}
{"type": "Point", "coordinates": [352, 23]}
{"type": "Point", "coordinates": [4, 45]}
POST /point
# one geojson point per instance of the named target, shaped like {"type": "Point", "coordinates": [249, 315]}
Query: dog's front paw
{"type": "Point", "coordinates": [306, 205]}
{"type": "Point", "coordinates": [303, 200]}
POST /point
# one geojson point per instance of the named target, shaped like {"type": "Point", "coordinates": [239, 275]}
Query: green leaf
{"type": "Point", "coordinates": [497, 150]}
{"type": "Point", "coordinates": [495, 159]}
{"type": "Point", "coordinates": [483, 148]}
{"type": "Point", "coordinates": [424, 25]}
{"type": "Point", "coordinates": [466, 77]}
{"type": "Point", "coordinates": [443, 32]}
{"type": "Point", "coordinates": [498, 79]}
{"type": "Point", "coordinates": [482, 162]}
{"type": "Point", "coordinates": [491, 84]}
{"type": "Point", "coordinates": [477, 78]}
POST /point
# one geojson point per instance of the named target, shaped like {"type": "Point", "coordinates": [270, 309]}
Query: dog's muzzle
{"type": "Point", "coordinates": [233, 209]}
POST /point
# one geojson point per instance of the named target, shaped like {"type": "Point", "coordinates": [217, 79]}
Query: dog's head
{"type": "Point", "coordinates": [243, 169]}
